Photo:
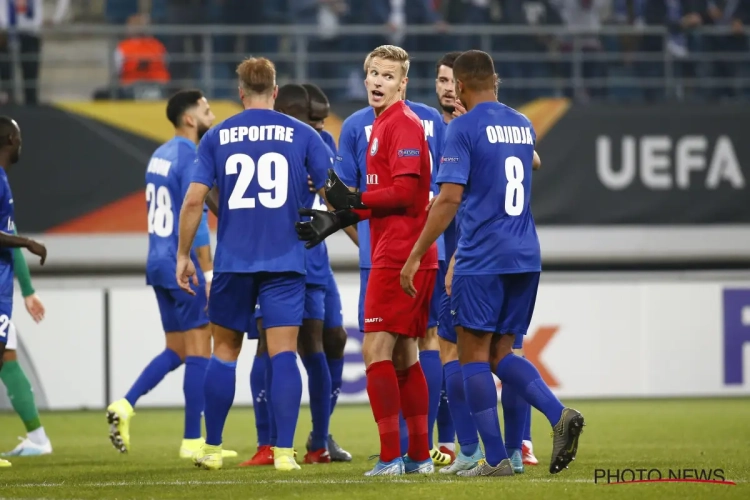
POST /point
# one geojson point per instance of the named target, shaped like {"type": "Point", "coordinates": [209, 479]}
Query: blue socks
{"type": "Point", "coordinates": [336, 369]}
{"type": "Point", "coordinates": [481, 394]}
{"type": "Point", "coordinates": [466, 430]}
{"type": "Point", "coordinates": [221, 378]}
{"type": "Point", "coordinates": [319, 387]}
{"type": "Point", "coordinates": [269, 402]}
{"type": "Point", "coordinates": [527, 427]}
{"type": "Point", "coordinates": [446, 431]}
{"type": "Point", "coordinates": [154, 372]}
{"type": "Point", "coordinates": [403, 432]}
{"type": "Point", "coordinates": [286, 395]}
{"type": "Point", "coordinates": [192, 387]}
{"type": "Point", "coordinates": [260, 403]}
{"type": "Point", "coordinates": [524, 377]}
{"type": "Point", "coordinates": [514, 416]}
{"type": "Point", "coordinates": [433, 374]}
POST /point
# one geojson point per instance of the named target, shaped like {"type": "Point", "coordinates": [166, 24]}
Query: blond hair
{"type": "Point", "coordinates": [389, 53]}
{"type": "Point", "coordinates": [257, 75]}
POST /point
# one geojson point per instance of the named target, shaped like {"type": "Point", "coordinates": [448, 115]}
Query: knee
{"type": "Point", "coordinates": [334, 342]}
{"type": "Point", "coordinates": [430, 341]}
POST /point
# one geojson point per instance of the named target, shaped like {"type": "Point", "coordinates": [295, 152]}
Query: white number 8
{"type": "Point", "coordinates": [273, 175]}
{"type": "Point", "coordinates": [514, 194]}
{"type": "Point", "coordinates": [160, 216]}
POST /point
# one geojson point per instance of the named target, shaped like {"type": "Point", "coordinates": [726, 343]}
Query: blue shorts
{"type": "Point", "coordinates": [281, 296]}
{"type": "Point", "coordinates": [446, 330]}
{"type": "Point", "coordinates": [315, 302]}
{"type": "Point", "coordinates": [364, 276]}
{"type": "Point", "coordinates": [181, 311]}
{"type": "Point", "coordinates": [252, 329]}
{"type": "Point", "coordinates": [434, 318]}
{"type": "Point", "coordinates": [498, 303]}
{"type": "Point", "coordinates": [334, 317]}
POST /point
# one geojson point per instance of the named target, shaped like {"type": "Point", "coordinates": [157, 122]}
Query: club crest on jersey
{"type": "Point", "coordinates": [374, 147]}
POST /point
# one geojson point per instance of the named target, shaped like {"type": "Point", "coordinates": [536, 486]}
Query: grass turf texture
{"type": "Point", "coordinates": [650, 434]}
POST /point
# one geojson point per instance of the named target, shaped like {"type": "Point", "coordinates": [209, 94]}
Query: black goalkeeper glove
{"type": "Point", "coordinates": [322, 224]}
{"type": "Point", "coordinates": [339, 195]}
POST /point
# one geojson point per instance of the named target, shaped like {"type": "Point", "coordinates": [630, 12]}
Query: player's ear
{"type": "Point", "coordinates": [275, 92]}
{"type": "Point", "coordinates": [241, 92]}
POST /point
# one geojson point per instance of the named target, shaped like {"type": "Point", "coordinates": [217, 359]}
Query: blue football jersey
{"type": "Point", "coordinates": [352, 157]}
{"type": "Point", "coordinates": [329, 140]}
{"type": "Point", "coordinates": [260, 160]}
{"type": "Point", "coordinates": [7, 225]}
{"type": "Point", "coordinates": [167, 178]}
{"type": "Point", "coordinates": [490, 151]}
{"type": "Point", "coordinates": [318, 265]}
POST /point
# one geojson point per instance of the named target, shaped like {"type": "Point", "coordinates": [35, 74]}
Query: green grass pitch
{"type": "Point", "coordinates": [660, 434]}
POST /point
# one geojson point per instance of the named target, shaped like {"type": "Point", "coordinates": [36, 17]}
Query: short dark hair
{"type": "Point", "coordinates": [315, 93]}
{"type": "Point", "coordinates": [293, 99]}
{"type": "Point", "coordinates": [447, 60]}
{"type": "Point", "coordinates": [7, 129]}
{"type": "Point", "coordinates": [475, 70]}
{"type": "Point", "coordinates": [181, 102]}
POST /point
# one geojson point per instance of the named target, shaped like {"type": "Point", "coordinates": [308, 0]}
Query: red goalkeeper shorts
{"type": "Point", "coordinates": [389, 309]}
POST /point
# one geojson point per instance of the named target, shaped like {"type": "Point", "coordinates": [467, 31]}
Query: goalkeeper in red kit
{"type": "Point", "coordinates": [398, 190]}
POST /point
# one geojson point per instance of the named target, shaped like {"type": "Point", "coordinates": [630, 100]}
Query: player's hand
{"type": "Point", "coordinates": [38, 249]}
{"type": "Point", "coordinates": [407, 276]}
{"type": "Point", "coordinates": [458, 109]}
{"type": "Point", "coordinates": [322, 224]}
{"type": "Point", "coordinates": [186, 273]}
{"type": "Point", "coordinates": [430, 203]}
{"type": "Point", "coordinates": [34, 307]}
{"type": "Point", "coordinates": [311, 185]}
{"type": "Point", "coordinates": [339, 195]}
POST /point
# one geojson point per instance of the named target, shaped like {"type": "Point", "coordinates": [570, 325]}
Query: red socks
{"type": "Point", "coordinates": [414, 407]}
{"type": "Point", "coordinates": [383, 391]}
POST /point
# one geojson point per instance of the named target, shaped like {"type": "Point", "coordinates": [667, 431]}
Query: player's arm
{"type": "Point", "coordinates": [345, 166]}
{"type": "Point", "coordinates": [212, 200]}
{"type": "Point", "coordinates": [21, 270]}
{"type": "Point", "coordinates": [536, 164]}
{"type": "Point", "coordinates": [15, 241]}
{"type": "Point", "coordinates": [202, 246]}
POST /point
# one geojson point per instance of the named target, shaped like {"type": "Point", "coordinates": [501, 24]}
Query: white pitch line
{"type": "Point", "coordinates": [110, 484]}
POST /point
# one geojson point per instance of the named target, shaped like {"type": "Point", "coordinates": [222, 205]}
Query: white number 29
{"type": "Point", "coordinates": [273, 176]}
{"type": "Point", "coordinates": [160, 216]}
{"type": "Point", "coordinates": [514, 194]}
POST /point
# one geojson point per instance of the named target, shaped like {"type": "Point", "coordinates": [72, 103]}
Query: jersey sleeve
{"type": "Point", "coordinates": [455, 162]}
{"type": "Point", "coordinates": [405, 140]}
{"type": "Point", "coordinates": [204, 169]}
{"type": "Point", "coordinates": [346, 157]}
{"type": "Point", "coordinates": [329, 140]}
{"type": "Point", "coordinates": [203, 236]}
{"type": "Point", "coordinates": [319, 160]}
{"type": "Point", "coordinates": [186, 158]}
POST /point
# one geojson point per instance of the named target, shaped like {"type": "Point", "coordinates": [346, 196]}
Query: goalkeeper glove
{"type": "Point", "coordinates": [339, 195]}
{"type": "Point", "coordinates": [322, 224]}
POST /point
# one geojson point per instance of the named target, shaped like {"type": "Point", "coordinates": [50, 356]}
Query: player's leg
{"type": "Point", "coordinates": [233, 298]}
{"type": "Point", "coordinates": [310, 348]}
{"type": "Point", "coordinates": [446, 429]}
{"type": "Point", "coordinates": [527, 449]}
{"type": "Point", "coordinates": [477, 303]}
{"type": "Point", "coordinates": [3, 339]}
{"type": "Point", "coordinates": [258, 389]}
{"type": "Point", "coordinates": [334, 343]}
{"type": "Point", "coordinates": [20, 394]}
{"type": "Point", "coordinates": [413, 317]}
{"type": "Point", "coordinates": [524, 378]}
{"type": "Point", "coordinates": [282, 299]}
{"type": "Point", "coordinates": [121, 411]}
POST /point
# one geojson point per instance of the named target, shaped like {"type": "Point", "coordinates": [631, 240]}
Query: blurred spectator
{"type": "Point", "coordinates": [27, 17]}
{"type": "Point", "coordinates": [420, 13]}
{"type": "Point", "coordinates": [119, 11]}
{"type": "Point", "coordinates": [586, 15]}
{"type": "Point", "coordinates": [521, 72]}
{"type": "Point", "coordinates": [184, 49]}
{"type": "Point", "coordinates": [140, 65]}
{"type": "Point", "coordinates": [327, 15]}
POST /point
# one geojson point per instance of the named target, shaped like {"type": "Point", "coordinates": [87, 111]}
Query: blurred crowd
{"type": "Point", "coordinates": [687, 62]}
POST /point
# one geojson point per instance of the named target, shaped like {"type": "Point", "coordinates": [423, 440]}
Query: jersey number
{"type": "Point", "coordinates": [514, 194]}
{"type": "Point", "coordinates": [160, 216]}
{"type": "Point", "coordinates": [273, 176]}
{"type": "Point", "coordinates": [4, 324]}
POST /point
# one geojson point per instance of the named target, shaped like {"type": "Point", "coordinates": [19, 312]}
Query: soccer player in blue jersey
{"type": "Point", "coordinates": [486, 171]}
{"type": "Point", "coordinates": [259, 159]}
{"type": "Point", "coordinates": [184, 320]}
{"type": "Point", "coordinates": [334, 334]}
{"type": "Point", "coordinates": [350, 166]}
{"type": "Point", "coordinates": [10, 153]}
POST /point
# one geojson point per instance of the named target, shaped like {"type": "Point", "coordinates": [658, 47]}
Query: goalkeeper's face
{"type": "Point", "coordinates": [385, 82]}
